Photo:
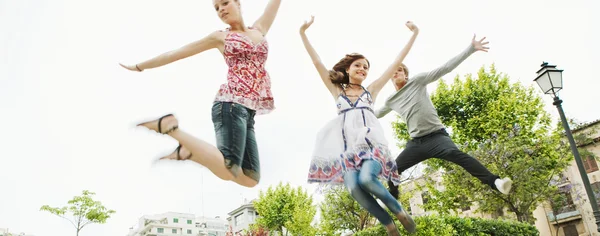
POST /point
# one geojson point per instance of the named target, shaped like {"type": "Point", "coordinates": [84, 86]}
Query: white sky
{"type": "Point", "coordinates": [68, 109]}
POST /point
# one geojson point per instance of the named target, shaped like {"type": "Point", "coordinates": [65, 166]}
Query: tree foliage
{"type": "Point", "coordinates": [505, 127]}
{"type": "Point", "coordinates": [284, 209]}
{"type": "Point", "coordinates": [340, 212]}
{"type": "Point", "coordinates": [83, 210]}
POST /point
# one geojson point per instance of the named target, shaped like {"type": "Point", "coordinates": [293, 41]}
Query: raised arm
{"type": "Point", "coordinates": [381, 112]}
{"type": "Point", "coordinates": [431, 76]}
{"type": "Point", "coordinates": [265, 21]}
{"type": "Point", "coordinates": [209, 42]}
{"type": "Point", "coordinates": [323, 72]}
{"type": "Point", "coordinates": [378, 84]}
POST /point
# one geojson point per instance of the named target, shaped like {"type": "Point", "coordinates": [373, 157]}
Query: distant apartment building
{"type": "Point", "coordinates": [173, 223]}
{"type": "Point", "coordinates": [242, 217]}
{"type": "Point", "coordinates": [212, 226]}
{"type": "Point", "coordinates": [5, 232]}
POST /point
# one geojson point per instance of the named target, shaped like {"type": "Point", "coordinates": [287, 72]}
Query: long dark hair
{"type": "Point", "coordinates": [338, 74]}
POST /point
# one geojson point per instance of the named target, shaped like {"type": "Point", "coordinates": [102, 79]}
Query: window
{"type": "Point", "coordinates": [174, 231]}
{"type": "Point", "coordinates": [589, 163]}
{"type": "Point", "coordinates": [425, 197]}
{"type": "Point", "coordinates": [189, 222]}
{"type": "Point", "coordinates": [564, 203]}
{"type": "Point", "coordinates": [160, 230]}
{"type": "Point", "coordinates": [596, 190]}
{"type": "Point", "coordinates": [464, 206]}
{"type": "Point", "coordinates": [175, 220]}
{"type": "Point", "coordinates": [570, 230]}
{"type": "Point", "coordinates": [189, 231]}
{"type": "Point", "coordinates": [239, 219]}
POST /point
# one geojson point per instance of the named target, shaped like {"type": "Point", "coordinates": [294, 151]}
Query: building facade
{"type": "Point", "coordinates": [5, 232]}
{"type": "Point", "coordinates": [573, 215]}
{"type": "Point", "coordinates": [242, 217]}
{"type": "Point", "coordinates": [173, 223]}
{"type": "Point", "coordinates": [212, 226]}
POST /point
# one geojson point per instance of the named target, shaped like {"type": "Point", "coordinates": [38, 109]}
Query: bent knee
{"type": "Point", "coordinates": [250, 184]}
{"type": "Point", "coordinates": [249, 178]}
{"type": "Point", "coordinates": [252, 174]}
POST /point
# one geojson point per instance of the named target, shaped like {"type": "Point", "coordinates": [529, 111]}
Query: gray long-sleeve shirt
{"type": "Point", "coordinates": [412, 101]}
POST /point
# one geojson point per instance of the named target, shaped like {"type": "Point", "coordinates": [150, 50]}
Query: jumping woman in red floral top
{"type": "Point", "coordinates": [247, 93]}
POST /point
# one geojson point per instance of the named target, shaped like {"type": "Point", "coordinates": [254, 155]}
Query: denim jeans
{"type": "Point", "coordinates": [363, 183]}
{"type": "Point", "coordinates": [234, 129]}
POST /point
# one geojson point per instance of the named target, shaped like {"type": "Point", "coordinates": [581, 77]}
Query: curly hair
{"type": "Point", "coordinates": [338, 74]}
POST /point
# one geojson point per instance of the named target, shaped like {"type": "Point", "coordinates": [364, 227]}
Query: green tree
{"type": "Point", "coordinates": [285, 209]}
{"type": "Point", "coordinates": [340, 212]}
{"type": "Point", "coordinates": [84, 211]}
{"type": "Point", "coordinates": [505, 127]}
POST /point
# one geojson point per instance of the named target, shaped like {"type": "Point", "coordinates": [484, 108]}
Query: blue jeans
{"type": "Point", "coordinates": [234, 129]}
{"type": "Point", "coordinates": [363, 183]}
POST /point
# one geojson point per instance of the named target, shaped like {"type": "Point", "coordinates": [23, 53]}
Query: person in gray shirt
{"type": "Point", "coordinates": [428, 135]}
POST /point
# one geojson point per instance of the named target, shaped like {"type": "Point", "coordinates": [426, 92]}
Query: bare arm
{"type": "Point", "coordinates": [378, 84]}
{"type": "Point", "coordinates": [264, 22]}
{"type": "Point", "coordinates": [323, 72]}
{"type": "Point", "coordinates": [209, 42]}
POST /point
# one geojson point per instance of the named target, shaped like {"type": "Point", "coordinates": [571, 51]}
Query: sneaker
{"type": "Point", "coordinates": [503, 185]}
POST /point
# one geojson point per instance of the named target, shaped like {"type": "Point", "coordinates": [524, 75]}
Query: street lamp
{"type": "Point", "coordinates": [550, 81]}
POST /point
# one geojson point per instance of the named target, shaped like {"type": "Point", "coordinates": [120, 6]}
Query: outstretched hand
{"type": "Point", "coordinates": [412, 27]}
{"type": "Point", "coordinates": [307, 24]}
{"type": "Point", "coordinates": [479, 45]}
{"type": "Point", "coordinates": [130, 67]}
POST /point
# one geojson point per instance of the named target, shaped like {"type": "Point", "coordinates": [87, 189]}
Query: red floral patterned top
{"type": "Point", "coordinates": [248, 82]}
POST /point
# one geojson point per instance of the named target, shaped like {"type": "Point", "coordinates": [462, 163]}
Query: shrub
{"type": "Point", "coordinates": [451, 225]}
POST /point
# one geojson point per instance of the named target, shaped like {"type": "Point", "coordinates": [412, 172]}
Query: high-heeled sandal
{"type": "Point", "coordinates": [175, 127]}
{"type": "Point", "coordinates": [178, 151]}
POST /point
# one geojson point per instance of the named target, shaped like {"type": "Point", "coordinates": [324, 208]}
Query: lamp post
{"type": "Point", "coordinates": [550, 81]}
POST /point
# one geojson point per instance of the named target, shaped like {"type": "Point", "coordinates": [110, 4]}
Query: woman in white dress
{"type": "Point", "coordinates": [351, 149]}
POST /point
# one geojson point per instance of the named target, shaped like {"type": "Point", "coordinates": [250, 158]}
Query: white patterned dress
{"type": "Point", "coordinates": [353, 136]}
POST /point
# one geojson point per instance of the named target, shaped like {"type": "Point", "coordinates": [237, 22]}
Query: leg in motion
{"type": "Point", "coordinates": [224, 160]}
{"type": "Point", "coordinates": [412, 154]}
{"type": "Point", "coordinates": [444, 148]}
{"type": "Point", "coordinates": [368, 181]}
{"type": "Point", "coordinates": [368, 202]}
